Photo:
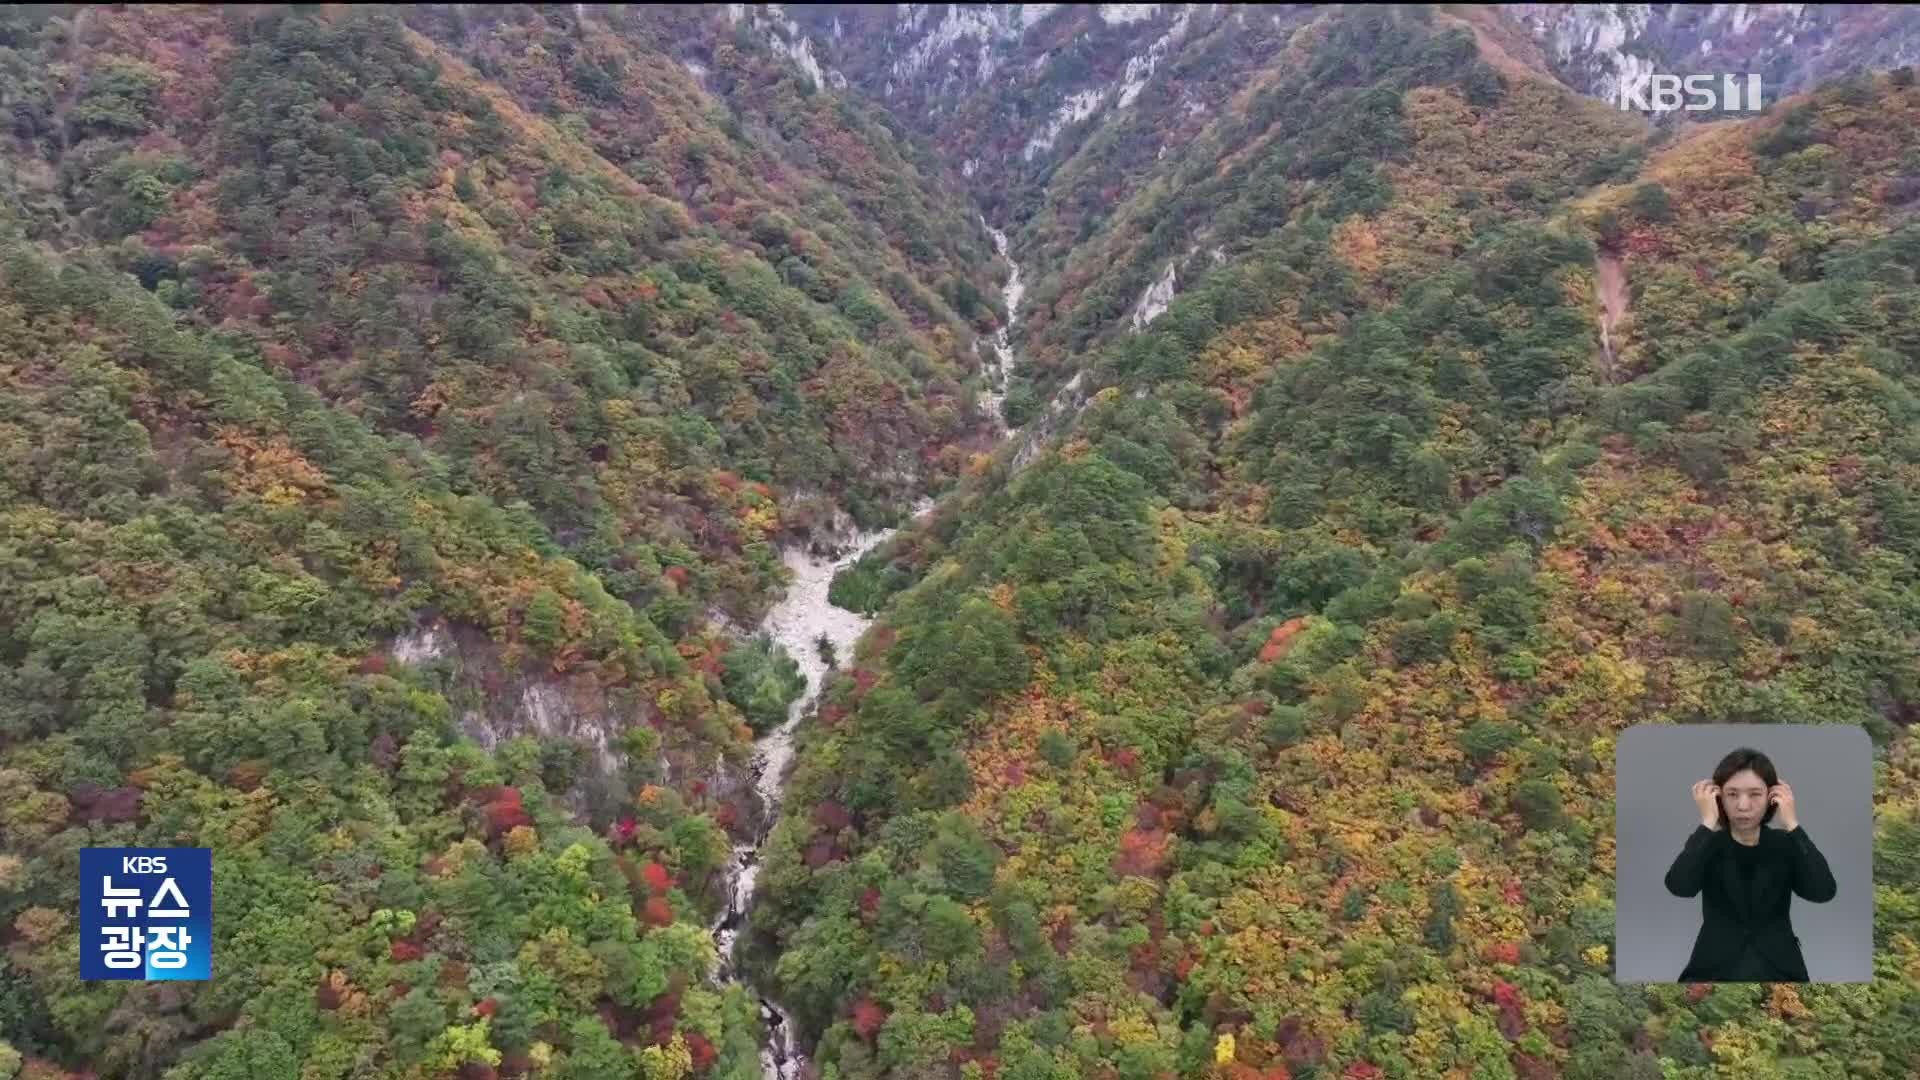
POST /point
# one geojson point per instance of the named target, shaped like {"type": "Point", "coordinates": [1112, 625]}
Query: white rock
{"type": "Point", "coordinates": [1010, 294]}
{"type": "Point", "coordinates": [424, 644]}
{"type": "Point", "coordinates": [1075, 109]}
{"type": "Point", "coordinates": [1121, 14]}
{"type": "Point", "coordinates": [979, 23]}
{"type": "Point", "coordinates": [1155, 300]}
{"type": "Point", "coordinates": [1140, 68]}
{"type": "Point", "coordinates": [1031, 14]}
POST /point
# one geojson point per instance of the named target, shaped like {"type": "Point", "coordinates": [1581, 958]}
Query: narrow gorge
{"type": "Point", "coordinates": [802, 619]}
{"type": "Point", "coordinates": [577, 508]}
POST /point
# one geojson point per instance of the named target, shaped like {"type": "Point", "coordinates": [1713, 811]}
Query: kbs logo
{"type": "Point", "coordinates": [146, 913]}
{"type": "Point", "coordinates": [1693, 93]}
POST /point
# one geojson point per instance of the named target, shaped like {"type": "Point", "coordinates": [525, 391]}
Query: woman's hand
{"type": "Point", "coordinates": [1706, 796]}
{"type": "Point", "coordinates": [1781, 796]}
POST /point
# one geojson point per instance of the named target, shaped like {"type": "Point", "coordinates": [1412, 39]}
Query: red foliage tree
{"type": "Point", "coordinates": [1282, 639]}
{"type": "Point", "coordinates": [1528, 1067]}
{"type": "Point", "coordinates": [867, 1018]}
{"type": "Point", "coordinates": [658, 911]}
{"type": "Point", "coordinates": [832, 816]}
{"type": "Point", "coordinates": [505, 811]}
{"type": "Point", "coordinates": [702, 1050]}
{"type": "Point", "coordinates": [657, 877]}
{"type": "Point", "coordinates": [1142, 852]}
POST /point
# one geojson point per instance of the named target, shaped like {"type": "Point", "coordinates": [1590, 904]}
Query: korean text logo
{"type": "Point", "coordinates": [146, 913]}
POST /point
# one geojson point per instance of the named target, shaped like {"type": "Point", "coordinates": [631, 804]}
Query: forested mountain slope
{"type": "Point", "coordinates": [1264, 726]}
{"type": "Point", "coordinates": [1792, 47]}
{"type": "Point", "coordinates": [373, 381]}
{"type": "Point", "coordinates": [401, 408]}
{"type": "Point", "coordinates": [1130, 148]}
{"type": "Point", "coordinates": [483, 254]}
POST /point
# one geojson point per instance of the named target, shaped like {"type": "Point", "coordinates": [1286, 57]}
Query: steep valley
{"type": "Point", "coordinates": [838, 542]}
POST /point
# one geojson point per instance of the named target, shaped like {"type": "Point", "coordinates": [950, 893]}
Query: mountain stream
{"type": "Point", "coordinates": [798, 622]}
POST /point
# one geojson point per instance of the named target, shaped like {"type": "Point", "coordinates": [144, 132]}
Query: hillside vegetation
{"type": "Point", "coordinates": [1264, 726]}
{"type": "Point", "coordinates": [378, 385]}
{"type": "Point", "coordinates": [318, 327]}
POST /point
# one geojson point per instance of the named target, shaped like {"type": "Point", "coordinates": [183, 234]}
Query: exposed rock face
{"type": "Point", "coordinates": [417, 646]}
{"type": "Point", "coordinates": [496, 703]}
{"type": "Point", "coordinates": [1155, 301]}
{"type": "Point", "coordinates": [1007, 90]}
{"type": "Point", "coordinates": [1595, 47]}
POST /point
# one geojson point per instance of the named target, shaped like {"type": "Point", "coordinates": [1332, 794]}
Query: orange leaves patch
{"type": "Point", "coordinates": [1142, 852]}
{"type": "Point", "coordinates": [1502, 952]}
{"type": "Point", "coordinates": [270, 469]}
{"type": "Point", "coordinates": [702, 1050]}
{"type": "Point", "coordinates": [1784, 1002]}
{"type": "Point", "coordinates": [657, 877]}
{"type": "Point", "coordinates": [1356, 244]}
{"type": "Point", "coordinates": [1282, 639]}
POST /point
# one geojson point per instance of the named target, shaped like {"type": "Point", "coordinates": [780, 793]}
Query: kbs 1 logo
{"type": "Point", "coordinates": [146, 913]}
{"type": "Point", "coordinates": [1693, 93]}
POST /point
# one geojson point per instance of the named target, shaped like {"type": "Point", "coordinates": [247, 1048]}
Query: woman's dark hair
{"type": "Point", "coordinates": [1746, 758]}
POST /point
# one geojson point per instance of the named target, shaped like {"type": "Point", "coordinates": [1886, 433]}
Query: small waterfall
{"type": "Point", "coordinates": [1065, 402]}
{"type": "Point", "coordinates": [1003, 338]}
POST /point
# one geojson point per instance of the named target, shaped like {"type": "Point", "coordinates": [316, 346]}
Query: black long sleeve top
{"type": "Point", "coordinates": [1746, 933]}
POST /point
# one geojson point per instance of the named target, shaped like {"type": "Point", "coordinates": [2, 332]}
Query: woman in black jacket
{"type": "Point", "coordinates": [1748, 874]}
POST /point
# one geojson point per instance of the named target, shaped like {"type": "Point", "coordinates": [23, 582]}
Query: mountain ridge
{"type": "Point", "coordinates": [410, 414]}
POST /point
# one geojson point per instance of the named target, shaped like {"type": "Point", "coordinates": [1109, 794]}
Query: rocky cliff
{"type": "Point", "coordinates": [1597, 47]}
